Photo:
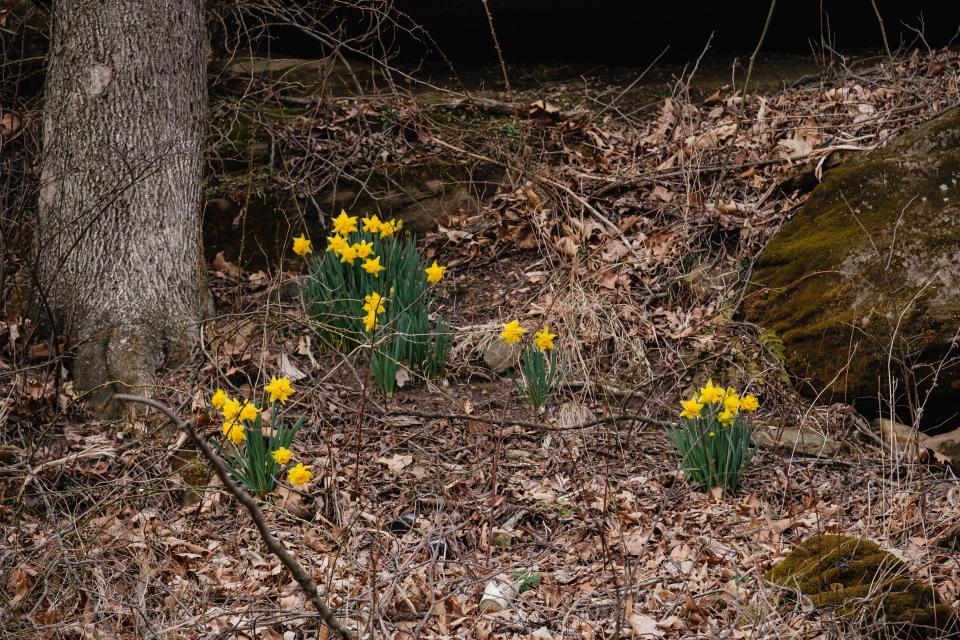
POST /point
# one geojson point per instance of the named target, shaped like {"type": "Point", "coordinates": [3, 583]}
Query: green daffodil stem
{"type": "Point", "coordinates": [298, 572]}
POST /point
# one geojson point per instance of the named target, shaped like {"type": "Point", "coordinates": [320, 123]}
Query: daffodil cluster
{"type": "Point", "coordinates": [540, 369]}
{"type": "Point", "coordinates": [724, 403]}
{"type": "Point", "coordinates": [256, 453]}
{"type": "Point", "coordinates": [373, 290]}
{"type": "Point", "coordinates": [714, 437]}
{"type": "Point", "coordinates": [235, 414]}
{"type": "Point", "coordinates": [350, 250]}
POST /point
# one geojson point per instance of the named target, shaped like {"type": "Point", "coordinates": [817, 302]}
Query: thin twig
{"type": "Point", "coordinates": [496, 45]}
{"type": "Point", "coordinates": [298, 572]}
{"type": "Point", "coordinates": [883, 29]}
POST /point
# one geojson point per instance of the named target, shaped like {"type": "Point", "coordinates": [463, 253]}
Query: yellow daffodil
{"type": "Point", "coordinates": [543, 339]}
{"type": "Point", "coordinates": [364, 249]}
{"type": "Point", "coordinates": [373, 266]}
{"type": "Point", "coordinates": [344, 224]}
{"type": "Point", "coordinates": [373, 303]}
{"type": "Point", "coordinates": [370, 321]}
{"type": "Point", "coordinates": [372, 224]}
{"type": "Point", "coordinates": [282, 455]}
{"type": "Point", "coordinates": [299, 475]}
{"type": "Point", "coordinates": [726, 417]}
{"type": "Point", "coordinates": [279, 389]}
{"type": "Point", "coordinates": [248, 412]}
{"type": "Point", "coordinates": [348, 254]}
{"type": "Point", "coordinates": [336, 243]}
{"type": "Point", "coordinates": [435, 273]}
{"type": "Point", "coordinates": [712, 434]}
{"type": "Point", "coordinates": [691, 408]}
{"type": "Point", "coordinates": [230, 409]}
{"type": "Point", "coordinates": [731, 401]}
{"type": "Point", "coordinates": [302, 246]}
{"type": "Point", "coordinates": [512, 331]}
{"type": "Point", "coordinates": [218, 398]}
{"type": "Point", "coordinates": [389, 227]}
{"type": "Point", "coordinates": [234, 431]}
{"type": "Point", "coordinates": [711, 394]}
{"type": "Point", "coordinates": [749, 403]}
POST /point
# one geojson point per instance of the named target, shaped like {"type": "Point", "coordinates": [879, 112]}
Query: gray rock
{"type": "Point", "coordinates": [803, 441]}
{"type": "Point", "coordinates": [573, 413]}
{"type": "Point", "coordinates": [500, 356]}
{"type": "Point", "coordinates": [947, 444]}
{"type": "Point", "coordinates": [902, 437]}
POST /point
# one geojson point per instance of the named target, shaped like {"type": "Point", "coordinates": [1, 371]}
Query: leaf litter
{"type": "Point", "coordinates": [107, 535]}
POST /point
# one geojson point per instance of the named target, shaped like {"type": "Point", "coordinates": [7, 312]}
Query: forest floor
{"type": "Point", "coordinates": [631, 233]}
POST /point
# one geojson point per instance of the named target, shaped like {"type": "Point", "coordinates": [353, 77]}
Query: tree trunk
{"type": "Point", "coordinates": [117, 247]}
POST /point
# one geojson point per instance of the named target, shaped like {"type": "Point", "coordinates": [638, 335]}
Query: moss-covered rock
{"type": "Point", "coordinates": [863, 583]}
{"type": "Point", "coordinates": [870, 267]}
{"type": "Point", "coordinates": [195, 473]}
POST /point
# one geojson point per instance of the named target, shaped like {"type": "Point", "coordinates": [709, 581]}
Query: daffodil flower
{"type": "Point", "coordinates": [364, 249]}
{"type": "Point", "coordinates": [711, 394]}
{"type": "Point", "coordinates": [336, 243]}
{"type": "Point", "coordinates": [282, 455]}
{"type": "Point", "coordinates": [373, 266]}
{"type": "Point", "coordinates": [372, 224]}
{"type": "Point", "coordinates": [691, 408]}
{"type": "Point", "coordinates": [344, 224]}
{"type": "Point", "coordinates": [230, 409]}
{"type": "Point", "coordinates": [512, 331]}
{"type": "Point", "coordinates": [543, 339]}
{"type": "Point", "coordinates": [348, 254]}
{"type": "Point", "coordinates": [373, 303]}
{"type": "Point", "coordinates": [299, 475]}
{"type": "Point", "coordinates": [434, 272]}
{"type": "Point", "coordinates": [279, 389]}
{"type": "Point", "coordinates": [218, 398]}
{"type": "Point", "coordinates": [749, 403]}
{"type": "Point", "coordinates": [302, 246]}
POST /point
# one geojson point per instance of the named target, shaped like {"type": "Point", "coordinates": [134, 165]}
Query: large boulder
{"type": "Point", "coordinates": [863, 283]}
{"type": "Point", "coordinates": [862, 583]}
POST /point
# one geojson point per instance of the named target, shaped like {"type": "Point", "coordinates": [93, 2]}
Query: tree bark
{"type": "Point", "coordinates": [117, 250]}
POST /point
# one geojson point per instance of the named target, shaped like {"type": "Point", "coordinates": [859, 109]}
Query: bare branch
{"type": "Point", "coordinates": [298, 572]}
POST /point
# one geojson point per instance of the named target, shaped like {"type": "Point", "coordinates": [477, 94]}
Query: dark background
{"type": "Point", "coordinates": [630, 32]}
{"type": "Point", "coordinates": [634, 32]}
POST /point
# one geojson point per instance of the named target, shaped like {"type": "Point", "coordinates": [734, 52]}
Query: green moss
{"type": "Point", "coordinates": [195, 473]}
{"type": "Point", "coordinates": [867, 245]}
{"type": "Point", "coordinates": [859, 581]}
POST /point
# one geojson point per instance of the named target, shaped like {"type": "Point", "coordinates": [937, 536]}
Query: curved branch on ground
{"type": "Point", "coordinates": [298, 572]}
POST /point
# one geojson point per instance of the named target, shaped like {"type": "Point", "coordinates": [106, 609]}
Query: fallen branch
{"type": "Point", "coordinates": [92, 452]}
{"type": "Point", "coordinates": [497, 107]}
{"type": "Point", "coordinates": [298, 572]}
